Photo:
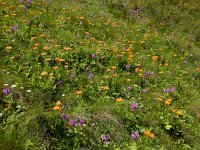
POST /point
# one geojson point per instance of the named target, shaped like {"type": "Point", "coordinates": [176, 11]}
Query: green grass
{"type": "Point", "coordinates": [97, 58]}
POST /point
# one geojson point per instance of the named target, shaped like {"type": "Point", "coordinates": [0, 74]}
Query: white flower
{"type": "Point", "coordinates": [13, 86]}
{"type": "Point", "coordinates": [63, 95]}
{"type": "Point", "coordinates": [6, 84]}
{"type": "Point", "coordinates": [21, 87]}
{"type": "Point", "coordinates": [29, 91]}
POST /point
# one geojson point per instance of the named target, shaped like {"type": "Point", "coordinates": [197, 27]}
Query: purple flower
{"type": "Point", "coordinates": [81, 122]}
{"type": "Point", "coordinates": [127, 66]}
{"type": "Point", "coordinates": [148, 73]}
{"type": "Point", "coordinates": [29, 1]}
{"type": "Point", "coordinates": [64, 116]}
{"type": "Point", "coordinates": [14, 28]}
{"type": "Point", "coordinates": [90, 75]}
{"type": "Point", "coordinates": [6, 91]}
{"type": "Point", "coordinates": [135, 135]}
{"type": "Point", "coordinates": [145, 91]}
{"type": "Point", "coordinates": [72, 122]}
{"type": "Point", "coordinates": [169, 90]}
{"type": "Point", "coordinates": [105, 138]}
{"type": "Point", "coordinates": [21, 1]}
{"type": "Point", "coordinates": [93, 55]}
{"type": "Point", "coordinates": [134, 106]}
{"type": "Point", "coordinates": [129, 88]}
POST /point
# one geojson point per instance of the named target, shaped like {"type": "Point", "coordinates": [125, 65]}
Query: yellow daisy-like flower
{"type": "Point", "coordinates": [119, 100]}
{"type": "Point", "coordinates": [106, 88]}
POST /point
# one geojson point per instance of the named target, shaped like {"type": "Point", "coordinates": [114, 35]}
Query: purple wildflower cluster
{"type": "Point", "coordinates": [14, 28]}
{"type": "Point", "coordinates": [170, 90]}
{"type": "Point", "coordinates": [105, 138]}
{"type": "Point", "coordinates": [148, 73]}
{"type": "Point", "coordinates": [135, 135]}
{"type": "Point", "coordinates": [134, 106]}
{"type": "Point", "coordinates": [6, 91]}
{"type": "Point", "coordinates": [73, 122]}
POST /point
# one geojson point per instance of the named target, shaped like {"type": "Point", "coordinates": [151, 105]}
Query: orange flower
{"type": "Point", "coordinates": [56, 107]}
{"type": "Point", "coordinates": [119, 100]}
{"type": "Point", "coordinates": [78, 92]}
{"type": "Point", "coordinates": [149, 134]}
{"type": "Point", "coordinates": [106, 88]}
{"type": "Point", "coordinates": [114, 67]}
{"type": "Point", "coordinates": [115, 75]}
{"type": "Point", "coordinates": [136, 69]}
{"type": "Point", "coordinates": [42, 35]}
{"type": "Point", "coordinates": [155, 57]}
{"type": "Point", "coordinates": [168, 101]}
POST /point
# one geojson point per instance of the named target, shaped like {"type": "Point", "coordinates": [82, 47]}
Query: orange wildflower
{"type": "Point", "coordinates": [78, 92]}
{"type": "Point", "coordinates": [114, 67]}
{"type": "Point", "coordinates": [42, 35]}
{"type": "Point", "coordinates": [149, 134]}
{"type": "Point", "coordinates": [155, 57]}
{"type": "Point", "coordinates": [114, 75]}
{"type": "Point", "coordinates": [56, 107]}
{"type": "Point", "coordinates": [136, 69]}
{"type": "Point", "coordinates": [168, 101]}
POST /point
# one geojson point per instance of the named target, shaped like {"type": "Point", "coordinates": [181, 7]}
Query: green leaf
{"type": "Point", "coordinates": [168, 126]}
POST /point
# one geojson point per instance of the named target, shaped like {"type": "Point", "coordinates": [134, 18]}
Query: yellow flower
{"type": "Point", "coordinates": [61, 60]}
{"type": "Point", "coordinates": [55, 68]}
{"type": "Point", "coordinates": [44, 73]}
{"type": "Point", "coordinates": [58, 103]}
{"type": "Point", "coordinates": [106, 88]}
{"type": "Point", "coordinates": [119, 100]}
{"type": "Point", "coordinates": [159, 99]}
{"type": "Point", "coordinates": [8, 48]}
{"type": "Point", "coordinates": [106, 77]}
{"type": "Point", "coordinates": [45, 48]}
{"type": "Point", "coordinates": [178, 113]}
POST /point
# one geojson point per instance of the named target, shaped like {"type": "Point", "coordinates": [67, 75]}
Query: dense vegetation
{"type": "Point", "coordinates": [104, 74]}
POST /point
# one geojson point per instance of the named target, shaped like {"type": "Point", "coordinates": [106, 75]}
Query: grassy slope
{"type": "Point", "coordinates": [88, 27]}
